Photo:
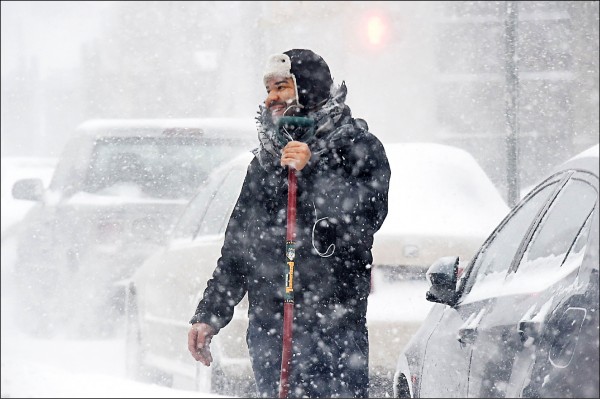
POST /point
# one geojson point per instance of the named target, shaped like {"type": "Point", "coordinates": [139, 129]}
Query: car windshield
{"type": "Point", "coordinates": [161, 167]}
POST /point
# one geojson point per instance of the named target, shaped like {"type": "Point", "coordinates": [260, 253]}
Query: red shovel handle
{"type": "Point", "coordinates": [288, 305]}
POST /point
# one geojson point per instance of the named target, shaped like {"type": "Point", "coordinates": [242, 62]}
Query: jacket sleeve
{"type": "Point", "coordinates": [227, 286]}
{"type": "Point", "coordinates": [354, 195]}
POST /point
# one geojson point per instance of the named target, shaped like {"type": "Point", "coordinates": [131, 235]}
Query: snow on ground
{"type": "Point", "coordinates": [66, 368]}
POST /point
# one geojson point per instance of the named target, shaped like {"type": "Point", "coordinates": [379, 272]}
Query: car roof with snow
{"type": "Point", "coordinates": [585, 160]}
{"type": "Point", "coordinates": [242, 128]}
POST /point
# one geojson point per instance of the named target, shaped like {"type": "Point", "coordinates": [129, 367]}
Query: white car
{"type": "Point", "coordinates": [116, 191]}
{"type": "Point", "coordinates": [440, 201]}
{"type": "Point", "coordinates": [165, 290]}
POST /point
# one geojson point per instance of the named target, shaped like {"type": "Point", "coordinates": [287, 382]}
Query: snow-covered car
{"type": "Point", "coordinates": [521, 319]}
{"type": "Point", "coordinates": [116, 192]}
{"type": "Point", "coordinates": [164, 292]}
{"type": "Point", "coordinates": [440, 201]}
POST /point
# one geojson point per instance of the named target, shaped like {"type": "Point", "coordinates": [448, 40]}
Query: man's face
{"type": "Point", "coordinates": [281, 94]}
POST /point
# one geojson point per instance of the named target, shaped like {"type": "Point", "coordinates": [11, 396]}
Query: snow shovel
{"type": "Point", "coordinates": [287, 126]}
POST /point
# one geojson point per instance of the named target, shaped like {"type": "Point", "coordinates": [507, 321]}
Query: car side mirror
{"type": "Point", "coordinates": [442, 275]}
{"type": "Point", "coordinates": [28, 189]}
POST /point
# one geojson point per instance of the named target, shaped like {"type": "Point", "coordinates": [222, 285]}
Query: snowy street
{"type": "Point", "coordinates": [75, 368]}
{"type": "Point", "coordinates": [33, 366]}
{"type": "Point", "coordinates": [67, 368]}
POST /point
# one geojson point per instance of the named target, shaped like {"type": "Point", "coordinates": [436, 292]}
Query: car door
{"type": "Point", "coordinates": [229, 347]}
{"type": "Point", "coordinates": [167, 279]}
{"type": "Point", "coordinates": [542, 276]}
{"type": "Point", "coordinates": [449, 349]}
{"type": "Point", "coordinates": [209, 234]}
{"type": "Point", "coordinates": [170, 282]}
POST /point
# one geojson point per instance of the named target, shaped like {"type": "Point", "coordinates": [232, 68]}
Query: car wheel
{"type": "Point", "coordinates": [134, 348]}
{"type": "Point", "coordinates": [401, 388]}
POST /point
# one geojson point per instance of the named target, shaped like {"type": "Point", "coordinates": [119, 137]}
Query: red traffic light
{"type": "Point", "coordinates": [376, 30]}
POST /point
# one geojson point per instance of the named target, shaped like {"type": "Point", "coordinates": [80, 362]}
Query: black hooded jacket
{"type": "Point", "coordinates": [342, 196]}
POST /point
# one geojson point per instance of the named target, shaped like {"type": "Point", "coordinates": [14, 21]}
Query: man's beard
{"type": "Point", "coordinates": [292, 109]}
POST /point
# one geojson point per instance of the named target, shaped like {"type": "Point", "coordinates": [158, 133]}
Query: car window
{"type": "Point", "coordinates": [169, 167]}
{"type": "Point", "coordinates": [188, 222]}
{"type": "Point", "coordinates": [223, 188]}
{"type": "Point", "coordinates": [563, 231]}
{"type": "Point", "coordinates": [492, 263]}
{"type": "Point", "coordinates": [577, 252]}
{"type": "Point", "coordinates": [219, 210]}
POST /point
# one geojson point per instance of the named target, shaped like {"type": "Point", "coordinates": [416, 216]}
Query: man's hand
{"type": "Point", "coordinates": [199, 338]}
{"type": "Point", "coordinates": [295, 154]}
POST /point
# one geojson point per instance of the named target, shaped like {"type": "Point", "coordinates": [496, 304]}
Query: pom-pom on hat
{"type": "Point", "coordinates": [309, 71]}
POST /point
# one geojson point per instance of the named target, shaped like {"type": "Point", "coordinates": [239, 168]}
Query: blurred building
{"type": "Point", "coordinates": [557, 70]}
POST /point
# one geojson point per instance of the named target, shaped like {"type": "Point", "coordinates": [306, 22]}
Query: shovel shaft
{"type": "Point", "coordinates": [288, 305]}
{"type": "Point", "coordinates": [291, 209]}
{"type": "Point", "coordinates": [286, 356]}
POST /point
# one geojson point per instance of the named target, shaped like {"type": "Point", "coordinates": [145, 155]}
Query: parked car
{"type": "Point", "coordinates": [165, 290]}
{"type": "Point", "coordinates": [440, 201]}
{"type": "Point", "coordinates": [521, 319]}
{"type": "Point", "coordinates": [115, 194]}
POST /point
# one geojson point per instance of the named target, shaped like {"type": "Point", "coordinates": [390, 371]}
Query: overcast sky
{"type": "Point", "coordinates": [57, 45]}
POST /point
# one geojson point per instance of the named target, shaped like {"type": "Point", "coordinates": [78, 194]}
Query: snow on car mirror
{"type": "Point", "coordinates": [442, 275]}
{"type": "Point", "coordinates": [28, 189]}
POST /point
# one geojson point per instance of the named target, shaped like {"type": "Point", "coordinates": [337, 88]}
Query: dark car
{"type": "Point", "coordinates": [521, 320]}
{"type": "Point", "coordinates": [114, 196]}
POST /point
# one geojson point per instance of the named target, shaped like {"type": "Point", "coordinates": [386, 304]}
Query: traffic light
{"type": "Point", "coordinates": [376, 30]}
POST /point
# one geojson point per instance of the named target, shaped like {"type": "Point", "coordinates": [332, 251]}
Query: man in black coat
{"type": "Point", "coordinates": [342, 200]}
